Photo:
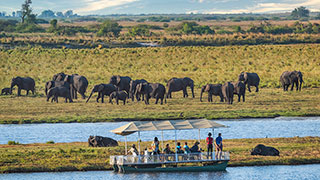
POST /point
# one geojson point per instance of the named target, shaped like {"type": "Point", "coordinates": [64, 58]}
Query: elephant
{"type": "Point", "coordinates": [51, 84]}
{"type": "Point", "coordinates": [103, 90]}
{"type": "Point", "coordinates": [59, 77]}
{"type": "Point", "coordinates": [78, 84]}
{"type": "Point", "coordinates": [250, 79]}
{"type": "Point", "coordinates": [122, 82]}
{"type": "Point", "coordinates": [119, 95]}
{"type": "Point", "coordinates": [291, 78]}
{"type": "Point", "coordinates": [240, 90]}
{"type": "Point", "coordinates": [263, 150]}
{"type": "Point", "coordinates": [133, 85]}
{"type": "Point", "coordinates": [149, 90]}
{"type": "Point", "coordinates": [212, 89]}
{"type": "Point", "coordinates": [59, 91]}
{"type": "Point", "coordinates": [227, 91]}
{"type": "Point", "coordinates": [25, 83]}
{"type": "Point", "coordinates": [178, 84]}
{"type": "Point", "coordinates": [6, 91]}
{"type": "Point", "coordinates": [99, 141]}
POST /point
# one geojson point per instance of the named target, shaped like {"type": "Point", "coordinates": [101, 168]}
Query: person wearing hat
{"type": "Point", "coordinates": [195, 148]}
{"type": "Point", "coordinates": [209, 142]}
{"type": "Point", "coordinates": [133, 150]}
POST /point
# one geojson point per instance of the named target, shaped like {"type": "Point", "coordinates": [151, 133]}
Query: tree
{"type": "Point", "coordinates": [69, 13]}
{"type": "Point", "coordinates": [54, 23]}
{"type": "Point", "coordinates": [47, 14]}
{"type": "Point", "coordinates": [109, 28]}
{"type": "Point", "coordinates": [300, 12]}
{"type": "Point", "coordinates": [59, 14]}
{"type": "Point", "coordinates": [26, 10]}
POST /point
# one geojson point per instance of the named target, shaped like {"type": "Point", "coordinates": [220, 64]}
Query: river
{"type": "Point", "coordinates": [296, 172]}
{"type": "Point", "coordinates": [244, 128]}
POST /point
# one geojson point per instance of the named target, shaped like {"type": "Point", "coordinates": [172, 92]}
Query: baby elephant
{"type": "Point", "coordinates": [6, 91]}
{"type": "Point", "coordinates": [119, 95]}
{"type": "Point", "coordinates": [59, 91]}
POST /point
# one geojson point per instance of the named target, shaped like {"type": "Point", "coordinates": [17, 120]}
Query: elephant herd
{"type": "Point", "coordinates": [122, 88]}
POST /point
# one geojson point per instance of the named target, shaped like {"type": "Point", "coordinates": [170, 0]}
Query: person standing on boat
{"type": "Point", "coordinates": [209, 142]}
{"type": "Point", "coordinates": [218, 145]}
{"type": "Point", "coordinates": [155, 146]}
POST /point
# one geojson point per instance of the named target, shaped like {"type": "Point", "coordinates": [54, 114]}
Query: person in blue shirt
{"type": "Point", "coordinates": [186, 148]}
{"type": "Point", "coordinates": [219, 146]}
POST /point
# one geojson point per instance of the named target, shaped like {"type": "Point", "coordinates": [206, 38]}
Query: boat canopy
{"type": "Point", "coordinates": [138, 126]}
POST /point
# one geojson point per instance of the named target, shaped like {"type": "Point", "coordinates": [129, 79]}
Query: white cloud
{"type": "Point", "coordinates": [95, 5]}
{"type": "Point", "coordinates": [313, 5]}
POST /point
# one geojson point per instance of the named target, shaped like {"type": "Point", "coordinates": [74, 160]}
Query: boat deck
{"type": "Point", "coordinates": [168, 159]}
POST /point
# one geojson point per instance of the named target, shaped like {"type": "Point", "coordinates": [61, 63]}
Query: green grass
{"type": "Point", "coordinates": [78, 156]}
{"type": "Point", "coordinates": [202, 64]}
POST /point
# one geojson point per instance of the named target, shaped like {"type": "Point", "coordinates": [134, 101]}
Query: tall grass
{"type": "Point", "coordinates": [202, 64]}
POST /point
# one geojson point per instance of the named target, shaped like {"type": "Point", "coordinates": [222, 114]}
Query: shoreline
{"type": "Point", "coordinates": [77, 156]}
{"type": "Point", "coordinates": [151, 119]}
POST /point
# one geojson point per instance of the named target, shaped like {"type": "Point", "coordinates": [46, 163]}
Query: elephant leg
{"type": "Point", "coordinates": [102, 98]}
{"type": "Point", "coordinates": [249, 88]}
{"type": "Point", "coordinates": [239, 96]}
{"type": "Point", "coordinates": [27, 92]}
{"type": "Point", "coordinates": [185, 93]}
{"type": "Point", "coordinates": [83, 95]}
{"type": "Point", "coordinates": [110, 100]}
{"type": "Point", "coordinates": [124, 102]}
{"type": "Point", "coordinates": [98, 97]}
{"type": "Point", "coordinates": [56, 99]}
{"type": "Point", "coordinates": [243, 97]}
{"type": "Point", "coordinates": [70, 99]}
{"type": "Point", "coordinates": [33, 92]}
{"type": "Point", "coordinates": [257, 88]}
{"type": "Point", "coordinates": [292, 86]}
{"type": "Point", "coordinates": [117, 100]}
{"type": "Point", "coordinates": [66, 100]}
{"type": "Point", "coordinates": [297, 86]}
{"type": "Point", "coordinates": [157, 99]}
{"type": "Point", "coordinates": [161, 101]}
{"type": "Point", "coordinates": [19, 91]}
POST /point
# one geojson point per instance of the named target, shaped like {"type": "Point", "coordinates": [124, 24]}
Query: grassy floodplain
{"type": "Point", "coordinates": [202, 64]}
{"type": "Point", "coordinates": [78, 156]}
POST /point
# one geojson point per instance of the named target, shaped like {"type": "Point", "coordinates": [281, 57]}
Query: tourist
{"type": "Point", "coordinates": [219, 146]}
{"type": "Point", "coordinates": [155, 146]}
{"type": "Point", "coordinates": [179, 150]}
{"type": "Point", "coordinates": [195, 148]}
{"type": "Point", "coordinates": [167, 150]}
{"type": "Point", "coordinates": [186, 148]}
{"type": "Point", "coordinates": [209, 142]}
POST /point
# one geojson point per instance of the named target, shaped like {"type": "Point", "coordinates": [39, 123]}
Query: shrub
{"type": "Point", "coordinates": [50, 142]}
{"type": "Point", "coordinates": [13, 143]}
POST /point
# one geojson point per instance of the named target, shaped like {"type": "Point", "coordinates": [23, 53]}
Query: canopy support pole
{"type": "Point", "coordinates": [175, 142]}
{"type": "Point", "coordinates": [139, 144]}
{"type": "Point", "coordinates": [199, 139]}
{"type": "Point", "coordinates": [162, 139]}
{"type": "Point", "coordinates": [125, 142]}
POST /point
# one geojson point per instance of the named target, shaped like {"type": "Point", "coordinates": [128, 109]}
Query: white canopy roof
{"type": "Point", "coordinates": [135, 126]}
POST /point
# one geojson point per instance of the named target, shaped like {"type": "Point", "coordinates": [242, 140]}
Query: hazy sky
{"type": "Point", "coordinates": [84, 7]}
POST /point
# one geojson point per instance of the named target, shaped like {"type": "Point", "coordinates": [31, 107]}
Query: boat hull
{"type": "Point", "coordinates": [217, 166]}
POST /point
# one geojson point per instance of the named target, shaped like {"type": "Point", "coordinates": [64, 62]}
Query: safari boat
{"type": "Point", "coordinates": [191, 162]}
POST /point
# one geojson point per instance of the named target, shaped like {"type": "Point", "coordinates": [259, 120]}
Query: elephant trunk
{"type": "Point", "coordinates": [89, 96]}
{"type": "Point", "coordinates": [301, 81]}
{"type": "Point", "coordinates": [11, 87]}
{"type": "Point", "coordinates": [202, 90]}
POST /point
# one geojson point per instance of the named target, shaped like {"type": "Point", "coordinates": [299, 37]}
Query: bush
{"type": "Point", "coordinates": [13, 143]}
{"type": "Point", "coordinates": [50, 142]}
{"type": "Point", "coordinates": [109, 28]}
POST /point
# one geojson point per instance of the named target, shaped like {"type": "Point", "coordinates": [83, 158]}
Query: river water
{"type": "Point", "coordinates": [297, 172]}
{"type": "Point", "coordinates": [246, 128]}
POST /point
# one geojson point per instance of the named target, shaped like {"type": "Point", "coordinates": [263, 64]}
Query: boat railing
{"type": "Point", "coordinates": [169, 158]}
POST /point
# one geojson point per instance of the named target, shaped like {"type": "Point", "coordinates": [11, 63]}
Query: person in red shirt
{"type": "Point", "coordinates": [209, 141]}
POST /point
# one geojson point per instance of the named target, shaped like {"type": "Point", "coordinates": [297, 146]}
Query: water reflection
{"type": "Point", "coordinates": [298, 172]}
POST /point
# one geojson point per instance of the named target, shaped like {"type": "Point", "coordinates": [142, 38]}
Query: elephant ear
{"type": "Point", "coordinates": [118, 79]}
{"type": "Point", "coordinates": [100, 88]}
{"type": "Point", "coordinates": [207, 88]}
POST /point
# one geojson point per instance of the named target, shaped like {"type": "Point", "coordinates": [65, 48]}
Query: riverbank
{"type": "Point", "coordinates": [78, 156]}
{"type": "Point", "coordinates": [268, 102]}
